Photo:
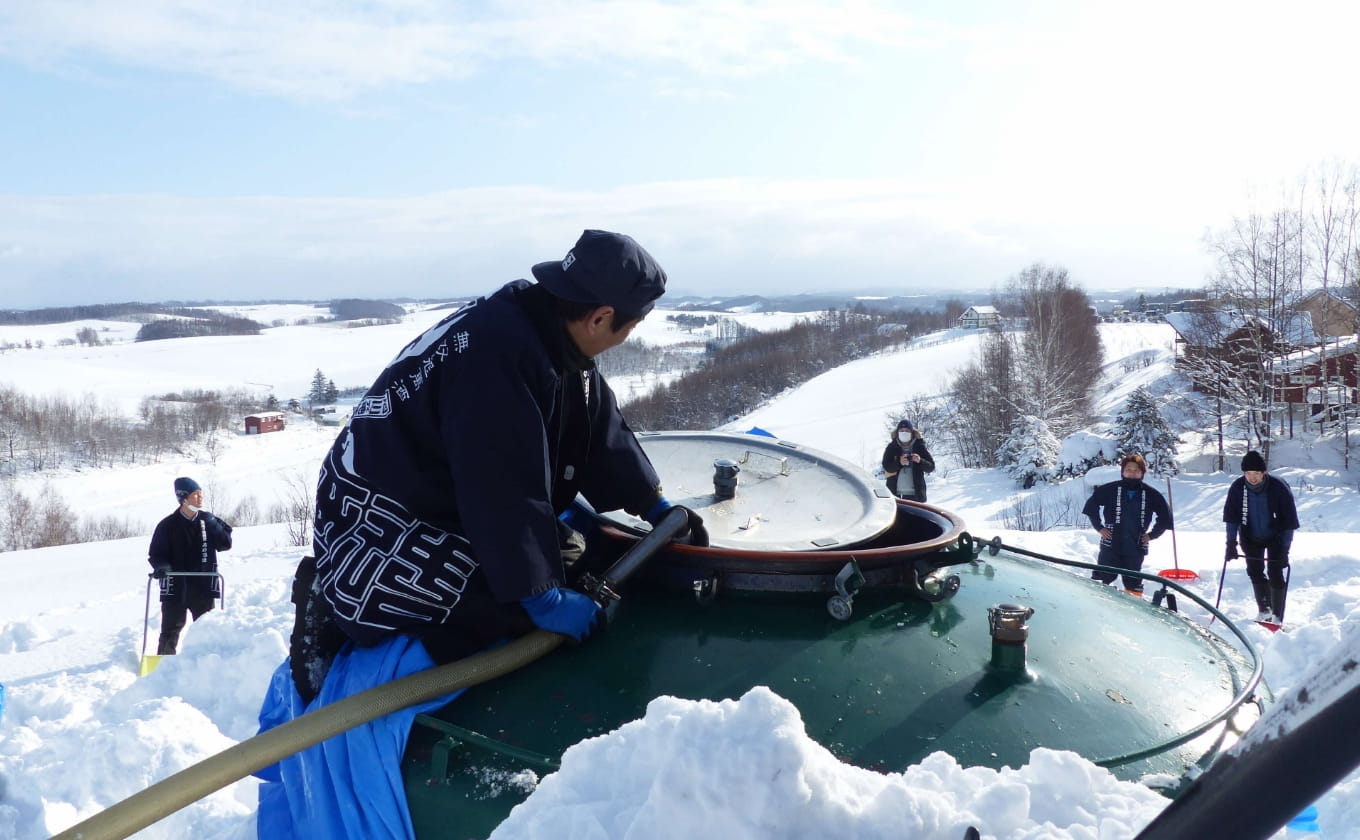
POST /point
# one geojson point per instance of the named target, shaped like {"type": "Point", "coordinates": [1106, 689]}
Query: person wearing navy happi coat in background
{"type": "Point", "coordinates": [1260, 516]}
{"type": "Point", "coordinates": [1128, 515]}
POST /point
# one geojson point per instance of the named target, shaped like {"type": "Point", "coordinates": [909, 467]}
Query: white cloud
{"type": "Point", "coordinates": [712, 236]}
{"type": "Point", "coordinates": [341, 48]}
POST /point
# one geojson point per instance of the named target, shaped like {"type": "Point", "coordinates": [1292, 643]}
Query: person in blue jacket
{"type": "Point", "coordinates": [186, 541]}
{"type": "Point", "coordinates": [1260, 515]}
{"type": "Point", "coordinates": [1128, 514]}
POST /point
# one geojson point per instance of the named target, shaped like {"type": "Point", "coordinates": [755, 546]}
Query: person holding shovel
{"type": "Point", "coordinates": [186, 541]}
{"type": "Point", "coordinates": [1261, 517]}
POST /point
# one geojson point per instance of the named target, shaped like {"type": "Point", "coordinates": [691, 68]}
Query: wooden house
{"type": "Point", "coordinates": [1332, 316]}
{"type": "Point", "coordinates": [979, 317]}
{"type": "Point", "coordinates": [264, 421]}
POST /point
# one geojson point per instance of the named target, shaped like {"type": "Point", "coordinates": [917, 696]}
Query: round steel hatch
{"type": "Point", "coordinates": [786, 497]}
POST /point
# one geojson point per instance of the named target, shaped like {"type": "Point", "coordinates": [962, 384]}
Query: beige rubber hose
{"type": "Point", "coordinates": [193, 783]}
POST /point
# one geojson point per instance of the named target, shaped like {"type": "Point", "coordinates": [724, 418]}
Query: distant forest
{"type": "Point", "coordinates": [351, 309]}
{"type": "Point", "coordinates": [734, 379]}
{"type": "Point", "coordinates": [65, 314]}
{"type": "Point", "coordinates": [201, 322]}
{"type": "Point", "coordinates": [161, 321]}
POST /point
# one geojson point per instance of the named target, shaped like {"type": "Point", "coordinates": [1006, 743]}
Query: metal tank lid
{"type": "Point", "coordinates": [786, 497]}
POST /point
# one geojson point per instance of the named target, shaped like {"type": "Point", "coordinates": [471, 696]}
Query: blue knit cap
{"type": "Point", "coordinates": [184, 486]}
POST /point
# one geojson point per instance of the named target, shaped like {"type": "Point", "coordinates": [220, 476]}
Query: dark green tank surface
{"type": "Point", "coordinates": [1109, 676]}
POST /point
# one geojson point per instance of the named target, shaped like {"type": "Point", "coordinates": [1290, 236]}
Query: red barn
{"type": "Point", "coordinates": [1300, 377]}
{"type": "Point", "coordinates": [265, 421]}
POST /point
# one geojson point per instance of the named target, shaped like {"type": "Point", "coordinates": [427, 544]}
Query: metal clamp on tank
{"type": "Point", "coordinates": [725, 478]}
{"type": "Point", "coordinates": [848, 581]}
{"type": "Point", "coordinates": [1006, 623]}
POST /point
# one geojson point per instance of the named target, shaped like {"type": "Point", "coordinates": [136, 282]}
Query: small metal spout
{"type": "Point", "coordinates": [1006, 623]}
{"type": "Point", "coordinates": [725, 478]}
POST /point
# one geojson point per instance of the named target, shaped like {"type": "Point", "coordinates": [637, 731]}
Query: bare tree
{"type": "Point", "coordinates": [1062, 357]}
{"type": "Point", "coordinates": [296, 507]}
{"type": "Point", "coordinates": [1260, 264]}
{"type": "Point", "coordinates": [1331, 231]}
{"type": "Point", "coordinates": [983, 401]}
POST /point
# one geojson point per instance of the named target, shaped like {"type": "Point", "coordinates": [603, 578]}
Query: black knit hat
{"type": "Point", "coordinates": [1253, 461]}
{"type": "Point", "coordinates": [607, 269]}
{"type": "Point", "coordinates": [904, 424]}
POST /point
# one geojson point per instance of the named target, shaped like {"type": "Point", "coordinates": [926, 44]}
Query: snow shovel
{"type": "Point", "coordinates": [149, 661]}
{"type": "Point", "coordinates": [1177, 573]}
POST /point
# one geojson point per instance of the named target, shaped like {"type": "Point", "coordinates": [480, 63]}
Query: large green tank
{"type": "Point", "coordinates": [907, 638]}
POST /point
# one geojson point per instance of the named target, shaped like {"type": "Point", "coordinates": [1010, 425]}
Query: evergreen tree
{"type": "Point", "coordinates": [1140, 429]}
{"type": "Point", "coordinates": [332, 392]}
{"type": "Point", "coordinates": [1030, 452]}
{"type": "Point", "coordinates": [317, 393]}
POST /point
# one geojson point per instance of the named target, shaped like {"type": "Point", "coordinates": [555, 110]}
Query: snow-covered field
{"type": "Point", "coordinates": [80, 731]}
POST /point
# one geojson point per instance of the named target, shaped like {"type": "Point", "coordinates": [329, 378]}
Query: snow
{"type": "Point", "coordinates": [80, 731]}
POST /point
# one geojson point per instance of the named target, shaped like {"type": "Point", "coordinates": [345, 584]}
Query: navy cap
{"type": "Point", "coordinates": [184, 486]}
{"type": "Point", "coordinates": [608, 269]}
{"type": "Point", "coordinates": [904, 424]}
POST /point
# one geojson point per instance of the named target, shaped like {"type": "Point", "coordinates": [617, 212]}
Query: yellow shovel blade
{"type": "Point", "coordinates": [149, 663]}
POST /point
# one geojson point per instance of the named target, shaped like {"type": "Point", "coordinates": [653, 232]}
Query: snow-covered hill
{"type": "Point", "coordinates": [80, 731]}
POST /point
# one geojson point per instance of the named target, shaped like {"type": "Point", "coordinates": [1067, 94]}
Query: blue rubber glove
{"type": "Point", "coordinates": [694, 534]}
{"type": "Point", "coordinates": [563, 611]}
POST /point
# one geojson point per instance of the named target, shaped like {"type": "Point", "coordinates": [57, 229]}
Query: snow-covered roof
{"type": "Point", "coordinates": [983, 309]}
{"type": "Point", "coordinates": [1303, 358]}
{"type": "Point", "coordinates": [1204, 328]}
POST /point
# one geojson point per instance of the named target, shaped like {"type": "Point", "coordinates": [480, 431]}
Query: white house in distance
{"type": "Point", "coordinates": [977, 317]}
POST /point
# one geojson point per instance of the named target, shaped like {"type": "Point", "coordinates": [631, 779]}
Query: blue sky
{"type": "Point", "coordinates": [192, 149]}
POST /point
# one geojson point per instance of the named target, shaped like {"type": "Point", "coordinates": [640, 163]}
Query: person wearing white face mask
{"type": "Point", "coordinates": [906, 461]}
{"type": "Point", "coordinates": [186, 541]}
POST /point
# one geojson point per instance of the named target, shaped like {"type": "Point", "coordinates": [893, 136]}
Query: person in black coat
{"type": "Point", "coordinates": [186, 541]}
{"type": "Point", "coordinates": [437, 509]}
{"type": "Point", "coordinates": [1260, 515]}
{"type": "Point", "coordinates": [1123, 512]}
{"type": "Point", "coordinates": [906, 461]}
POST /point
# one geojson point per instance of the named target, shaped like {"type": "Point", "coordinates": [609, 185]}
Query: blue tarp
{"type": "Point", "coordinates": [756, 430]}
{"type": "Point", "coordinates": [348, 787]}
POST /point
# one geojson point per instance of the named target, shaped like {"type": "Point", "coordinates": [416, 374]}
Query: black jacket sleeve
{"type": "Point", "coordinates": [1162, 512]}
{"type": "Point", "coordinates": [1091, 510]}
{"type": "Point", "coordinates": [219, 532]}
{"type": "Point", "coordinates": [927, 464]}
{"type": "Point", "coordinates": [1286, 513]}
{"type": "Point", "coordinates": [618, 473]}
{"type": "Point", "coordinates": [890, 455]}
{"type": "Point", "coordinates": [161, 553]}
